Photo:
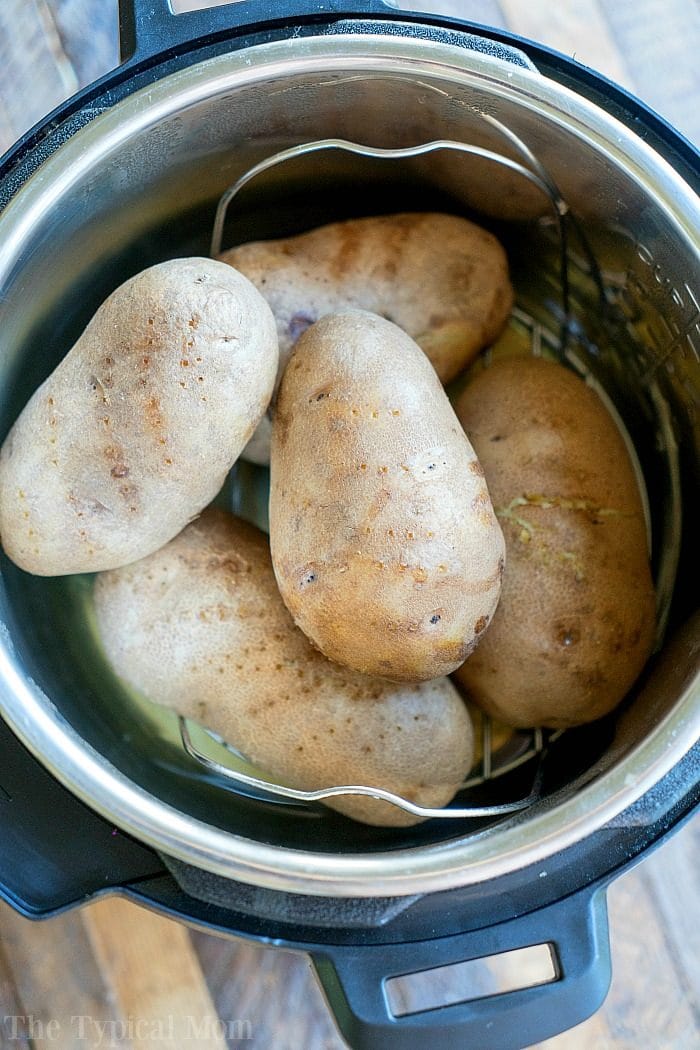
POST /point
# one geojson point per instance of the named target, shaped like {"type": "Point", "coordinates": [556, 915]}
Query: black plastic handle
{"type": "Point", "coordinates": [54, 850]}
{"type": "Point", "coordinates": [147, 27]}
{"type": "Point", "coordinates": [354, 983]}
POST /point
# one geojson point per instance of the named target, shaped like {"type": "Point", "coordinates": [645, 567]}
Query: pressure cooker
{"type": "Point", "coordinates": [97, 792]}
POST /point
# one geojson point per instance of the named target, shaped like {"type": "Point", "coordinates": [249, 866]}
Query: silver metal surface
{"type": "Point", "coordinates": [189, 136]}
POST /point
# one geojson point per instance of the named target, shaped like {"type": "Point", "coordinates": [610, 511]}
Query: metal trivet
{"type": "Point", "coordinates": [523, 746]}
{"type": "Point", "coordinates": [534, 746]}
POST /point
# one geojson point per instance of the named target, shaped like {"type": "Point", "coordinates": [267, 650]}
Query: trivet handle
{"type": "Point", "coordinates": [354, 983]}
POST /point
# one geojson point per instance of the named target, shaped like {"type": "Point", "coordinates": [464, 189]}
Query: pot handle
{"type": "Point", "coordinates": [354, 981]}
{"type": "Point", "coordinates": [54, 850]}
{"type": "Point", "coordinates": [147, 27]}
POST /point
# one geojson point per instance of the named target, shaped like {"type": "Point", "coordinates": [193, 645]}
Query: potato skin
{"type": "Point", "coordinates": [575, 623]}
{"type": "Point", "coordinates": [135, 430]}
{"type": "Point", "coordinates": [200, 627]}
{"type": "Point", "coordinates": [384, 542]}
{"type": "Point", "coordinates": [441, 278]}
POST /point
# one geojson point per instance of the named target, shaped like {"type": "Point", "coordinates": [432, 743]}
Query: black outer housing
{"type": "Point", "coordinates": [56, 852]}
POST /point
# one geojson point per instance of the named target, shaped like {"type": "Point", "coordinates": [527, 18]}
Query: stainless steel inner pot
{"type": "Point", "coordinates": [138, 184]}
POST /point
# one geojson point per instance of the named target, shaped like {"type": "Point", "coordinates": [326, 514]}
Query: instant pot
{"type": "Point", "coordinates": [97, 793]}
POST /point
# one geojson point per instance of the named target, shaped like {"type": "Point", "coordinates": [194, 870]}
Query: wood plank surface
{"type": "Point", "coordinates": [672, 878]}
{"type": "Point", "coordinates": [154, 975]}
{"type": "Point", "coordinates": [484, 12]}
{"type": "Point", "coordinates": [12, 1023]}
{"type": "Point", "coordinates": [36, 72]}
{"type": "Point", "coordinates": [273, 990]}
{"type": "Point", "coordinates": [579, 29]}
{"type": "Point", "coordinates": [662, 42]}
{"type": "Point", "coordinates": [116, 965]}
{"type": "Point", "coordinates": [57, 979]}
{"type": "Point", "coordinates": [88, 34]}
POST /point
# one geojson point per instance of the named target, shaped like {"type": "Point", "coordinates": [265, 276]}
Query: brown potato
{"type": "Point", "coordinates": [384, 541]}
{"type": "Point", "coordinates": [441, 278]}
{"type": "Point", "coordinates": [575, 623]}
{"type": "Point", "coordinates": [200, 627]}
{"type": "Point", "coordinates": [135, 430]}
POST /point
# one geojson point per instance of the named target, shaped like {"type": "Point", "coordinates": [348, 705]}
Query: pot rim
{"type": "Point", "coordinates": [497, 850]}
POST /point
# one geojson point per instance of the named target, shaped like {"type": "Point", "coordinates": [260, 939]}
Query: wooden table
{"type": "Point", "coordinates": [115, 975]}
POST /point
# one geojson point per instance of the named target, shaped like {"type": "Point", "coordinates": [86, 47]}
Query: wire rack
{"type": "Point", "coordinates": [520, 747]}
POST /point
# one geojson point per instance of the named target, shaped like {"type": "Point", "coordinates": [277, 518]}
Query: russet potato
{"type": "Point", "coordinates": [135, 430]}
{"type": "Point", "coordinates": [575, 622]}
{"type": "Point", "coordinates": [200, 628]}
{"type": "Point", "coordinates": [384, 542]}
{"type": "Point", "coordinates": [441, 278]}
